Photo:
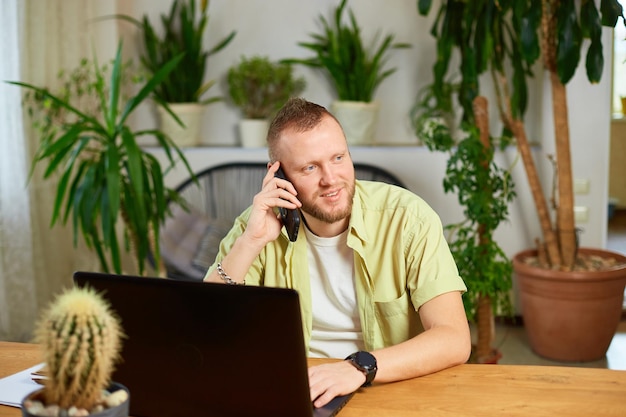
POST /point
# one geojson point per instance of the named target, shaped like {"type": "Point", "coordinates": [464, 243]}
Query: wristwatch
{"type": "Point", "coordinates": [366, 363]}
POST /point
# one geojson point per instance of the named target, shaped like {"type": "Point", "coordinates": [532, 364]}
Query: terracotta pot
{"type": "Point", "coordinates": [571, 316]}
{"type": "Point", "coordinates": [121, 410]}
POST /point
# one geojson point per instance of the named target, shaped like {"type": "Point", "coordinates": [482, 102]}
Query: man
{"type": "Point", "coordinates": [367, 257]}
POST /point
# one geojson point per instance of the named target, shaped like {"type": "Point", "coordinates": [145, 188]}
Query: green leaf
{"type": "Point", "coordinates": [148, 88]}
{"type": "Point", "coordinates": [423, 6]}
{"type": "Point", "coordinates": [611, 11]}
{"type": "Point", "coordinates": [114, 87]}
{"type": "Point", "coordinates": [135, 167]}
{"type": "Point", "coordinates": [568, 42]}
{"type": "Point", "coordinates": [113, 183]}
{"type": "Point", "coordinates": [529, 30]}
{"type": "Point", "coordinates": [594, 62]}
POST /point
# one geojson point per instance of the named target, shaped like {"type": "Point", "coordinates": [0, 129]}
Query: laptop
{"type": "Point", "coordinates": [202, 349]}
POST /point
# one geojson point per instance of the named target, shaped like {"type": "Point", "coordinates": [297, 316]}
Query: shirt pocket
{"type": "Point", "coordinates": [398, 321]}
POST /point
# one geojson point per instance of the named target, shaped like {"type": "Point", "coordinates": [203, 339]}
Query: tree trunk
{"type": "Point", "coordinates": [549, 235]}
{"type": "Point", "coordinates": [486, 329]}
{"type": "Point", "coordinates": [484, 314]}
{"type": "Point", "coordinates": [565, 227]}
{"type": "Point", "coordinates": [565, 206]}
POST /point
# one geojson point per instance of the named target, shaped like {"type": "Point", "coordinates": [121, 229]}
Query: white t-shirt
{"type": "Point", "coordinates": [336, 323]}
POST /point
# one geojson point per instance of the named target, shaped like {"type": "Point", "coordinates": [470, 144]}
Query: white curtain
{"type": "Point", "coordinates": [38, 38]}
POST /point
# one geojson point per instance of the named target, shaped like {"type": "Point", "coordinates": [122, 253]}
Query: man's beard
{"type": "Point", "coordinates": [330, 217]}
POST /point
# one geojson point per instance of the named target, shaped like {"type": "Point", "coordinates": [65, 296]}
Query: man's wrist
{"type": "Point", "coordinates": [366, 363]}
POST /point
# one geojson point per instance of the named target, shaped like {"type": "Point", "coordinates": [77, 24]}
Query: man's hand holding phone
{"type": "Point", "coordinates": [289, 217]}
{"type": "Point", "coordinates": [264, 225]}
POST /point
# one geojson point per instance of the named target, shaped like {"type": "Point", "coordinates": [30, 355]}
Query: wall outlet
{"type": "Point", "coordinates": [581, 214]}
{"type": "Point", "coordinates": [581, 186]}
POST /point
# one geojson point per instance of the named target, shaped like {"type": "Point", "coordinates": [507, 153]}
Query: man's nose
{"type": "Point", "coordinates": [328, 175]}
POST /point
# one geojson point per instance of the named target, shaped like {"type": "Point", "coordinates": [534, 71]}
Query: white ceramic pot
{"type": "Point", "coordinates": [253, 132]}
{"type": "Point", "coordinates": [358, 120]}
{"type": "Point", "coordinates": [191, 115]}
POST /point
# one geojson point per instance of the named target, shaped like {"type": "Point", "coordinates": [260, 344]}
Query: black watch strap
{"type": "Point", "coordinates": [366, 363]}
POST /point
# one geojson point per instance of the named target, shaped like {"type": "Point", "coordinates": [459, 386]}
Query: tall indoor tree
{"type": "Point", "coordinates": [506, 38]}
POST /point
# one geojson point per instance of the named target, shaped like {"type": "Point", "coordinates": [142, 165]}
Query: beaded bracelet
{"type": "Point", "coordinates": [225, 277]}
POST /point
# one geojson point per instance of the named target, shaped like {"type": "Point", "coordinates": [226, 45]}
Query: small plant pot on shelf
{"type": "Point", "coordinates": [253, 132]}
{"type": "Point", "coordinates": [116, 404]}
{"type": "Point", "coordinates": [358, 120]}
{"type": "Point", "coordinates": [191, 116]}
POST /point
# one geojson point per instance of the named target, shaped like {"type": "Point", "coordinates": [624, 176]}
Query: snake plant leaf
{"type": "Point", "coordinates": [568, 42]}
{"type": "Point", "coordinates": [149, 87]}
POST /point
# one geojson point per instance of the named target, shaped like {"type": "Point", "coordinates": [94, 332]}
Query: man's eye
{"type": "Point", "coordinates": [309, 168]}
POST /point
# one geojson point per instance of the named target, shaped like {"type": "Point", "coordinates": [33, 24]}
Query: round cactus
{"type": "Point", "coordinates": [81, 340]}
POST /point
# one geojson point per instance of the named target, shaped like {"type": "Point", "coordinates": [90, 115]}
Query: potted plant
{"type": "Point", "coordinates": [259, 87]}
{"type": "Point", "coordinates": [103, 174]}
{"type": "Point", "coordinates": [507, 39]}
{"type": "Point", "coordinates": [80, 338]}
{"type": "Point", "coordinates": [484, 190]}
{"type": "Point", "coordinates": [354, 71]}
{"type": "Point", "coordinates": [184, 88]}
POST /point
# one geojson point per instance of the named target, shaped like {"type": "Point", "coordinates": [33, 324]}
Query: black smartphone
{"type": "Point", "coordinates": [289, 217]}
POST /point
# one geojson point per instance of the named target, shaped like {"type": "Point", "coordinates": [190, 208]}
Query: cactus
{"type": "Point", "coordinates": [81, 340]}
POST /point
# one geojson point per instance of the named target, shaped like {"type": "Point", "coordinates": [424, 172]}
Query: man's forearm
{"type": "Point", "coordinates": [431, 351]}
{"type": "Point", "coordinates": [237, 262]}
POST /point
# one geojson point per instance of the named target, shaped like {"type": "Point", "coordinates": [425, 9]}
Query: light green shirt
{"type": "Point", "coordinates": [401, 261]}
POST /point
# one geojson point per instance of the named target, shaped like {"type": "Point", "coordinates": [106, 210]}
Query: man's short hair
{"type": "Point", "coordinates": [297, 114]}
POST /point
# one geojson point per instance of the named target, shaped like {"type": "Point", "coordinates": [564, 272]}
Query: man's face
{"type": "Point", "coordinates": [318, 164]}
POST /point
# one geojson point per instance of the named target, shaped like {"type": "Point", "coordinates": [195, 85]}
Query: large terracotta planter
{"type": "Point", "coordinates": [571, 316]}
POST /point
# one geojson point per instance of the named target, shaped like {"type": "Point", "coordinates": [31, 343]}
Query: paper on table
{"type": "Point", "coordinates": [14, 388]}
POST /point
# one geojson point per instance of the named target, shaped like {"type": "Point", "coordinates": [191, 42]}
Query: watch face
{"type": "Point", "coordinates": [365, 359]}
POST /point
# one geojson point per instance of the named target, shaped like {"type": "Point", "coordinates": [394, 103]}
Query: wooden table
{"type": "Point", "coordinates": [466, 390]}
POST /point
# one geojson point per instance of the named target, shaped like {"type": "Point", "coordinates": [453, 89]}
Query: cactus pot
{"type": "Point", "coordinates": [121, 410]}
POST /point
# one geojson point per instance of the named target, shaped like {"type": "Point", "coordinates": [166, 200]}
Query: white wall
{"type": "Point", "coordinates": [273, 28]}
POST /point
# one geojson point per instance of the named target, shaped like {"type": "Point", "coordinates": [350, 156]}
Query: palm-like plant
{"type": "Point", "coordinates": [103, 173]}
{"type": "Point", "coordinates": [354, 70]}
{"type": "Point", "coordinates": [183, 34]}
